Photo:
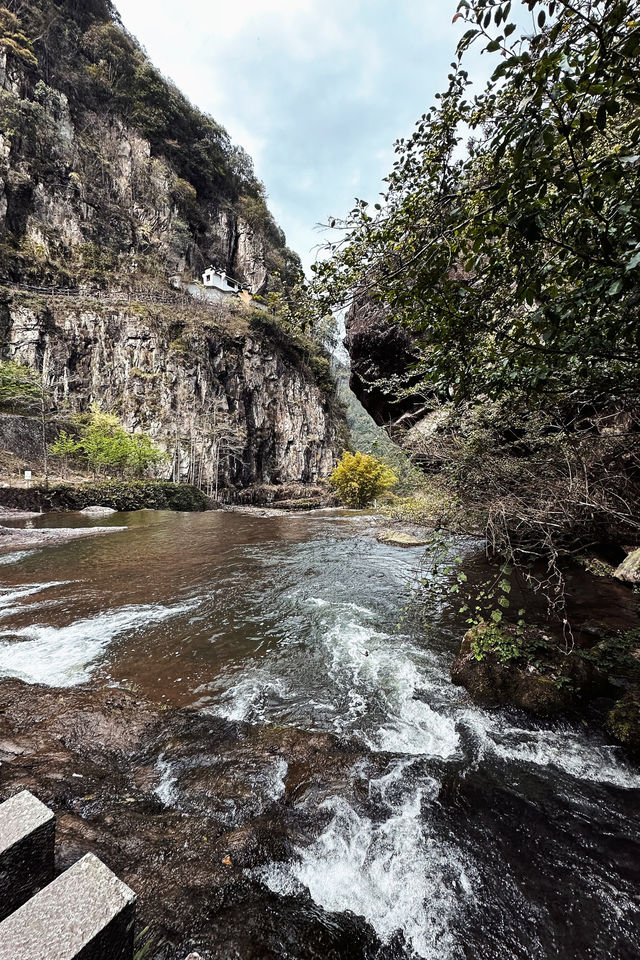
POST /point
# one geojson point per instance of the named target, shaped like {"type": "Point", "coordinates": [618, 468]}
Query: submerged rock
{"type": "Point", "coordinates": [15, 538]}
{"type": "Point", "coordinates": [189, 810]}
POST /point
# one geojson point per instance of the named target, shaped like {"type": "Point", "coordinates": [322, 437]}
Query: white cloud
{"type": "Point", "coordinates": [315, 90]}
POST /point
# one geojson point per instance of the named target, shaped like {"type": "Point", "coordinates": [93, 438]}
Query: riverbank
{"type": "Point", "coordinates": [120, 495]}
{"type": "Point", "coordinates": [127, 495]}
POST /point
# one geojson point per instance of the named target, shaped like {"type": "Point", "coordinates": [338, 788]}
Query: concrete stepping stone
{"type": "Point", "coordinates": [27, 834]}
{"type": "Point", "coordinates": [84, 914]}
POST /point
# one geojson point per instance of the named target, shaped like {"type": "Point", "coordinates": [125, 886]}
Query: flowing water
{"type": "Point", "coordinates": [458, 832]}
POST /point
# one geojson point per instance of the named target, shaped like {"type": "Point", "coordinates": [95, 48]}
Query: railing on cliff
{"type": "Point", "coordinates": [133, 295]}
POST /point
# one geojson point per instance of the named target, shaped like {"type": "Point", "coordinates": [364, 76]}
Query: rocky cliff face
{"type": "Point", "coordinates": [110, 179]}
{"type": "Point", "coordinates": [225, 399]}
{"type": "Point", "coordinates": [381, 353]}
{"type": "Point", "coordinates": [107, 173]}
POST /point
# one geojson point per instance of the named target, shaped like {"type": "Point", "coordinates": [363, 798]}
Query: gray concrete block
{"type": "Point", "coordinates": [85, 914]}
{"type": "Point", "coordinates": [27, 834]}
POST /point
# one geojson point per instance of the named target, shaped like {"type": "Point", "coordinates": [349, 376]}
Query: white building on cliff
{"type": "Point", "coordinates": [214, 279]}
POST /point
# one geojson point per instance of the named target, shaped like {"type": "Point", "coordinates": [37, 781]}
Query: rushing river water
{"type": "Point", "coordinates": [458, 833]}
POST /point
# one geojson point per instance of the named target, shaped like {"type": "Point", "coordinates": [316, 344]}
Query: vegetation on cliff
{"type": "Point", "coordinates": [74, 83]}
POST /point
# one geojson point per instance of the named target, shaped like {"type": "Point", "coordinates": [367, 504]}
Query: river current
{"type": "Point", "coordinates": [458, 832]}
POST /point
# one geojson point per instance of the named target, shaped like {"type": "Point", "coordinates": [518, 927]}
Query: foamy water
{"type": "Point", "coordinates": [439, 834]}
{"type": "Point", "coordinates": [66, 656]}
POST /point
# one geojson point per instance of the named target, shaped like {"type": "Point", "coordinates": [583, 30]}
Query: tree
{"type": "Point", "coordinates": [143, 453]}
{"type": "Point", "coordinates": [23, 392]}
{"type": "Point", "coordinates": [513, 261]}
{"type": "Point", "coordinates": [20, 389]}
{"type": "Point", "coordinates": [507, 243]}
{"type": "Point", "coordinates": [64, 447]}
{"type": "Point", "coordinates": [360, 478]}
{"type": "Point", "coordinates": [103, 442]}
{"type": "Point", "coordinates": [107, 447]}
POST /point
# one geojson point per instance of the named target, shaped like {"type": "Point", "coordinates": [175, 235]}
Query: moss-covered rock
{"type": "Point", "coordinates": [623, 721]}
{"type": "Point", "coordinates": [121, 495]}
{"type": "Point", "coordinates": [523, 667]}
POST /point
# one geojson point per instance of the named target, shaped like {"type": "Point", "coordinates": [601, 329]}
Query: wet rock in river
{"type": "Point", "coordinates": [623, 721]}
{"type": "Point", "coordinates": [187, 809]}
{"type": "Point", "coordinates": [629, 569]}
{"type": "Point", "coordinates": [401, 538]}
{"type": "Point", "coordinates": [17, 538]}
{"type": "Point", "coordinates": [97, 511]}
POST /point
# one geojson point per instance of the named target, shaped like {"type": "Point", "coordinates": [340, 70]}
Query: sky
{"type": "Point", "coordinates": [316, 91]}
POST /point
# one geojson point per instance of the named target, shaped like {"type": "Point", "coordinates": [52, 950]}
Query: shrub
{"type": "Point", "coordinates": [359, 478]}
{"type": "Point", "coordinates": [106, 447]}
{"type": "Point", "coordinates": [20, 388]}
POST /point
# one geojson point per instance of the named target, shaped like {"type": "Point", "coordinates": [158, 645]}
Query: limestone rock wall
{"type": "Point", "coordinates": [82, 194]}
{"type": "Point", "coordinates": [240, 406]}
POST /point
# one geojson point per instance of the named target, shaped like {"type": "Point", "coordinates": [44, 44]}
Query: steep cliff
{"type": "Point", "coordinates": [226, 396]}
{"type": "Point", "coordinates": [108, 173]}
{"type": "Point", "coordinates": [113, 184]}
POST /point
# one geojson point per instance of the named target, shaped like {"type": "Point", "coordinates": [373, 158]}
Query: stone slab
{"type": "Point", "coordinates": [27, 835]}
{"type": "Point", "coordinates": [86, 913]}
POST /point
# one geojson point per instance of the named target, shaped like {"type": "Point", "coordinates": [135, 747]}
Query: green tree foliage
{"type": "Point", "coordinates": [106, 447]}
{"type": "Point", "coordinates": [20, 389]}
{"type": "Point", "coordinates": [514, 259]}
{"type": "Point", "coordinates": [64, 448]}
{"type": "Point", "coordinates": [359, 478]}
{"type": "Point", "coordinates": [143, 454]}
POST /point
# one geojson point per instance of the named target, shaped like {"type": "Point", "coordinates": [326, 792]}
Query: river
{"type": "Point", "coordinates": [458, 832]}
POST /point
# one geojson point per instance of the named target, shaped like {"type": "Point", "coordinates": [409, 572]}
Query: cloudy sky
{"type": "Point", "coordinates": [315, 90]}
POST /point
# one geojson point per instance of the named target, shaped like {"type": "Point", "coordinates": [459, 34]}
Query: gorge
{"type": "Point", "coordinates": [317, 685]}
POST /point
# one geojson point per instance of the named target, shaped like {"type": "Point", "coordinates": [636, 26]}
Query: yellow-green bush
{"type": "Point", "coordinates": [359, 478]}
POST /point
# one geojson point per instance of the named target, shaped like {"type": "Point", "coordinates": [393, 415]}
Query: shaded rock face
{"type": "Point", "coordinates": [179, 379]}
{"type": "Point", "coordinates": [186, 809]}
{"type": "Point", "coordinates": [379, 350]}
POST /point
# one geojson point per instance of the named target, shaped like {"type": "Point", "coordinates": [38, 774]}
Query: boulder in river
{"type": "Point", "coordinates": [98, 511]}
{"type": "Point", "coordinates": [401, 538]}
